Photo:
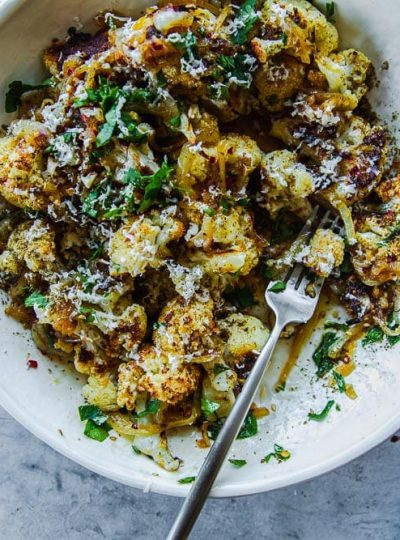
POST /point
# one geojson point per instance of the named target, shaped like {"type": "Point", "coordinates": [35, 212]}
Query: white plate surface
{"type": "Point", "coordinates": [45, 400]}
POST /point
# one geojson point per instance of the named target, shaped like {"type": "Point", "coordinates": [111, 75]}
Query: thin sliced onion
{"type": "Point", "coordinates": [345, 214]}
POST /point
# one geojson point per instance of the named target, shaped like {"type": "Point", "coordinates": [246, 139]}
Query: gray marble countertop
{"type": "Point", "coordinates": [45, 496]}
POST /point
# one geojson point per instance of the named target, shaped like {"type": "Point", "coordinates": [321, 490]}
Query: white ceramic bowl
{"type": "Point", "coordinates": [45, 400]}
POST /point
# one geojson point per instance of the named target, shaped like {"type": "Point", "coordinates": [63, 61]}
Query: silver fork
{"type": "Point", "coordinates": [292, 305]}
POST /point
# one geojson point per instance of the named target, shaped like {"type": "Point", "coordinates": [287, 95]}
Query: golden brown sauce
{"type": "Point", "coordinates": [302, 336]}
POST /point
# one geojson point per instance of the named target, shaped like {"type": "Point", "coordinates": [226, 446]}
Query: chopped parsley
{"type": "Point", "coordinates": [284, 228]}
{"type": "Point", "coordinates": [36, 299]}
{"type": "Point", "coordinates": [374, 335]}
{"type": "Point", "coordinates": [112, 201]}
{"type": "Point", "coordinates": [248, 429]}
{"type": "Point", "coordinates": [187, 480]}
{"type": "Point", "coordinates": [209, 407]}
{"type": "Point", "coordinates": [95, 432]}
{"type": "Point", "coordinates": [284, 38]}
{"type": "Point", "coordinates": [341, 383]}
{"type": "Point", "coordinates": [89, 314]}
{"type": "Point", "coordinates": [241, 297]}
{"type": "Point", "coordinates": [245, 19]}
{"type": "Point", "coordinates": [319, 417]}
{"type": "Point", "coordinates": [16, 89]}
{"type": "Point", "coordinates": [136, 450]}
{"type": "Point", "coordinates": [220, 368]}
{"type": "Point", "coordinates": [96, 427]}
{"type": "Point", "coordinates": [277, 287]}
{"type": "Point", "coordinates": [321, 354]}
{"type": "Point", "coordinates": [330, 11]}
{"type": "Point", "coordinates": [236, 69]}
{"type": "Point", "coordinates": [280, 387]}
{"type": "Point", "coordinates": [152, 407]}
{"type": "Point", "coordinates": [238, 463]}
{"type": "Point", "coordinates": [279, 453]}
{"type": "Point", "coordinates": [185, 43]}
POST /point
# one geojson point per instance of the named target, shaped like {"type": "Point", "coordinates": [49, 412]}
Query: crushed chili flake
{"type": "Point", "coordinates": [32, 364]}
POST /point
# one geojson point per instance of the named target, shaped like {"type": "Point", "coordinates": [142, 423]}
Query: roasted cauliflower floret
{"type": "Point", "coordinates": [166, 376]}
{"type": "Point", "coordinates": [156, 447]}
{"type": "Point", "coordinates": [346, 72]}
{"type": "Point", "coordinates": [361, 163]}
{"type": "Point", "coordinates": [306, 29]}
{"type": "Point", "coordinates": [276, 82]}
{"type": "Point", "coordinates": [376, 256]}
{"type": "Point", "coordinates": [188, 330]}
{"type": "Point", "coordinates": [31, 244]}
{"type": "Point", "coordinates": [245, 334]}
{"type": "Point", "coordinates": [101, 391]}
{"type": "Point", "coordinates": [129, 374]}
{"type": "Point", "coordinates": [142, 242]}
{"type": "Point", "coordinates": [285, 181]}
{"type": "Point", "coordinates": [324, 253]}
{"type": "Point", "coordinates": [227, 164]}
{"type": "Point", "coordinates": [227, 240]}
{"type": "Point", "coordinates": [23, 178]}
{"type": "Point", "coordinates": [238, 156]}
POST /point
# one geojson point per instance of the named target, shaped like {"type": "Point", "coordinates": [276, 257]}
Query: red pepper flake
{"type": "Point", "coordinates": [32, 364]}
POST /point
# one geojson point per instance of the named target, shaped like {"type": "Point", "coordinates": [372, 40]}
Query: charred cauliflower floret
{"type": "Point", "coordinates": [346, 72]}
{"type": "Point", "coordinates": [285, 181]}
{"type": "Point", "coordinates": [324, 253]}
{"type": "Point", "coordinates": [376, 256]}
{"type": "Point", "coordinates": [23, 178]}
{"type": "Point", "coordinates": [166, 377]}
{"type": "Point", "coordinates": [306, 30]}
{"type": "Point", "coordinates": [238, 156]}
{"type": "Point", "coordinates": [225, 165]}
{"type": "Point", "coordinates": [360, 164]}
{"type": "Point", "coordinates": [223, 243]}
{"type": "Point", "coordinates": [245, 334]}
{"type": "Point", "coordinates": [142, 243]}
{"type": "Point", "coordinates": [101, 391]}
{"type": "Point", "coordinates": [31, 245]}
{"type": "Point", "coordinates": [276, 82]}
{"type": "Point", "coordinates": [129, 374]}
{"type": "Point", "coordinates": [188, 330]}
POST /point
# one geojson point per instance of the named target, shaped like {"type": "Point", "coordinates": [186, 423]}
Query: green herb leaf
{"type": "Point", "coordinates": [279, 453]}
{"type": "Point", "coordinates": [92, 412]}
{"type": "Point", "coordinates": [238, 463]}
{"type": "Point", "coordinates": [284, 227]}
{"type": "Point", "coordinates": [284, 38]}
{"type": "Point", "coordinates": [209, 407]}
{"type": "Point", "coordinates": [374, 335]}
{"type": "Point", "coordinates": [209, 211]}
{"type": "Point", "coordinates": [154, 185]}
{"type": "Point", "coordinates": [241, 297]}
{"type": "Point", "coordinates": [321, 354]}
{"type": "Point", "coordinates": [175, 121]}
{"type": "Point", "coordinates": [246, 18]}
{"type": "Point", "coordinates": [105, 134]}
{"type": "Point", "coordinates": [319, 417]}
{"type": "Point", "coordinates": [89, 314]}
{"type": "Point", "coordinates": [96, 432]}
{"type": "Point", "coordinates": [16, 89]}
{"type": "Point", "coordinates": [36, 299]}
{"type": "Point", "coordinates": [187, 480]}
{"type": "Point", "coordinates": [152, 407]}
{"type": "Point", "coordinates": [277, 287]}
{"type": "Point", "coordinates": [336, 325]}
{"type": "Point", "coordinates": [185, 43]}
{"type": "Point", "coordinates": [249, 428]}
{"type": "Point", "coordinates": [330, 11]}
{"type": "Point", "coordinates": [220, 368]}
{"type": "Point", "coordinates": [236, 68]}
{"type": "Point", "coordinates": [136, 450]}
{"type": "Point", "coordinates": [341, 383]}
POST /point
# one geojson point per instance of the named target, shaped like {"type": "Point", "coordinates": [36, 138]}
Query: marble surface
{"type": "Point", "coordinates": [45, 496]}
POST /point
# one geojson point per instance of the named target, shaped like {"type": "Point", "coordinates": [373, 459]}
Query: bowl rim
{"type": "Point", "coordinates": [174, 489]}
{"type": "Point", "coordinates": [162, 486]}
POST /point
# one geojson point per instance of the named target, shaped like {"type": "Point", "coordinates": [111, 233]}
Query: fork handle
{"type": "Point", "coordinates": [198, 494]}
